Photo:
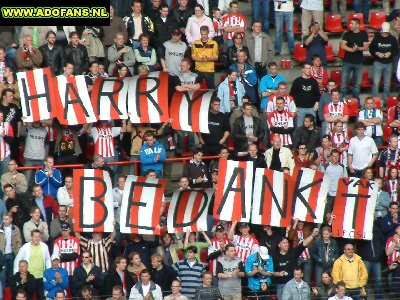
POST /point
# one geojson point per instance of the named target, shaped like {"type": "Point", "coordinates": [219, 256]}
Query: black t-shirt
{"type": "Point", "coordinates": [217, 125]}
{"type": "Point", "coordinates": [352, 39]}
{"type": "Point", "coordinates": [286, 263]}
{"type": "Point", "coordinates": [305, 92]}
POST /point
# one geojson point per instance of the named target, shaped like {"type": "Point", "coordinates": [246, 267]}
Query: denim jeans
{"type": "Point", "coordinates": [306, 265]}
{"type": "Point", "coordinates": [374, 268]}
{"type": "Point", "coordinates": [379, 69]}
{"type": "Point", "coordinates": [354, 293]}
{"type": "Point", "coordinates": [30, 174]}
{"type": "Point", "coordinates": [362, 6]}
{"type": "Point", "coordinates": [357, 75]}
{"type": "Point", "coordinates": [180, 147]}
{"type": "Point", "coordinates": [261, 8]}
{"type": "Point", "coordinates": [281, 17]}
{"type": "Point", "coordinates": [302, 111]}
{"type": "Point", "coordinates": [7, 271]}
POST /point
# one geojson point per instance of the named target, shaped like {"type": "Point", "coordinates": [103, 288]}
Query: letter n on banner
{"type": "Point", "coordinates": [141, 205]}
{"type": "Point", "coordinates": [310, 195]}
{"type": "Point", "coordinates": [188, 210]}
{"type": "Point", "coordinates": [234, 190]}
{"type": "Point", "coordinates": [354, 208]}
{"type": "Point", "coordinates": [38, 90]}
{"type": "Point", "coordinates": [93, 201]}
{"type": "Point", "coordinates": [272, 198]}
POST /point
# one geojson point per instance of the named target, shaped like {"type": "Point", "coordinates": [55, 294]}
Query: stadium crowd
{"type": "Point", "coordinates": [276, 125]}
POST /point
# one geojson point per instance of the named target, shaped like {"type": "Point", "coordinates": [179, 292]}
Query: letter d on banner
{"type": "Point", "coordinates": [93, 201]}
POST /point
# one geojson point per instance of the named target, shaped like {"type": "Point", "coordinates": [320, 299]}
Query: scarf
{"type": "Point", "coordinates": [373, 115]}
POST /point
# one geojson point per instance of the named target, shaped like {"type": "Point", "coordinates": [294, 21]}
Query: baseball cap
{"type": "Point", "coordinates": [385, 27]}
{"type": "Point", "coordinates": [55, 256]}
{"type": "Point", "coordinates": [219, 228]}
{"type": "Point", "coordinates": [176, 32]}
{"type": "Point", "coordinates": [263, 252]}
{"type": "Point", "coordinates": [65, 226]}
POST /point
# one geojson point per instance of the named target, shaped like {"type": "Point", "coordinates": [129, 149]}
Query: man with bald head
{"type": "Point", "coordinates": [278, 157]}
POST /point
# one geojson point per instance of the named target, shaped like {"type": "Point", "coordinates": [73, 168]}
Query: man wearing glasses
{"type": "Point", "coordinates": [350, 269]}
{"type": "Point", "coordinates": [176, 292]}
{"type": "Point", "coordinates": [86, 274]}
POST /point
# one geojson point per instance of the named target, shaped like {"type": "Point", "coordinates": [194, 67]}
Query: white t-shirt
{"type": "Point", "coordinates": [362, 151]}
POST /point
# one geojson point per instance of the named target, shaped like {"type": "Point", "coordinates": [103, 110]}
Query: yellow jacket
{"type": "Point", "coordinates": [353, 274]}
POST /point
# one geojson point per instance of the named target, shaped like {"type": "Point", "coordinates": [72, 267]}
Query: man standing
{"type": "Point", "coordinates": [174, 52]}
{"type": "Point", "coordinates": [354, 42]}
{"type": "Point", "coordinates": [55, 278]}
{"type": "Point", "coordinates": [231, 90]}
{"type": "Point", "coordinates": [233, 23]}
{"type": "Point", "coordinates": [65, 194]}
{"type": "Point", "coordinates": [245, 243]}
{"type": "Point", "coordinates": [283, 13]}
{"type": "Point", "coordinates": [389, 158]}
{"type": "Point", "coordinates": [56, 223]}
{"type": "Point", "coordinates": [118, 54]}
{"type": "Point", "coordinates": [269, 84]}
{"type": "Point", "coordinates": [350, 269]}
{"type": "Point", "coordinates": [67, 248]}
{"type": "Point", "coordinates": [49, 178]}
{"type": "Point", "coordinates": [335, 111]}
{"type": "Point", "coordinates": [281, 92]}
{"type": "Point", "coordinates": [296, 288]}
{"type": "Point", "coordinates": [35, 223]}
{"type": "Point", "coordinates": [17, 205]}
{"type": "Point", "coordinates": [152, 155]}
{"type": "Point", "coordinates": [259, 270]}
{"type": "Point", "coordinates": [27, 56]}
{"type": "Point", "coordinates": [278, 157]}
{"type": "Point", "coordinates": [145, 288]}
{"type": "Point", "coordinates": [53, 55]}
{"type": "Point", "coordinates": [77, 54]}
{"type": "Point", "coordinates": [325, 99]}
{"type": "Point", "coordinates": [280, 123]}
{"type": "Point", "coordinates": [308, 134]}
{"type": "Point", "coordinates": [161, 274]}
{"type": "Point", "coordinates": [362, 151]}
{"type": "Point", "coordinates": [137, 23]}
{"type": "Point", "coordinates": [305, 92]}
{"type": "Point", "coordinates": [14, 178]}
{"type": "Point", "coordinates": [47, 204]}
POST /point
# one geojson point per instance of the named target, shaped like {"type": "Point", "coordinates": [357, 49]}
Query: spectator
{"type": "Point", "coordinates": [92, 75]}
{"type": "Point", "coordinates": [17, 205]}
{"type": "Point", "coordinates": [283, 13]}
{"type": "Point", "coordinates": [371, 117]}
{"type": "Point", "coordinates": [278, 157]}
{"type": "Point", "coordinates": [232, 51]}
{"type": "Point", "coordinates": [135, 265]}
{"type": "Point", "coordinates": [117, 293]}
{"type": "Point", "coordinates": [340, 141]}
{"type": "Point", "coordinates": [393, 119]}
{"type": "Point", "coordinates": [305, 92]}
{"type": "Point", "coordinates": [308, 134]}
{"type": "Point", "coordinates": [315, 43]}
{"type": "Point", "coordinates": [153, 10]}
{"type": "Point", "coordinates": [67, 248]}
{"type": "Point", "coordinates": [46, 203]}
{"type": "Point", "coordinates": [325, 99]}
{"type": "Point", "coordinates": [189, 272]}
{"type": "Point", "coordinates": [392, 185]}
{"type": "Point", "coordinates": [56, 223]}
{"type": "Point", "coordinates": [186, 80]}
{"type": "Point", "coordinates": [218, 127]}
{"type": "Point", "coordinates": [77, 54]}
{"type": "Point", "coordinates": [53, 54]}
{"type": "Point", "coordinates": [245, 243]}
{"type": "Point", "coordinates": [142, 248]}
{"type": "Point", "coordinates": [176, 292]}
{"type": "Point", "coordinates": [145, 54]}
{"type": "Point", "coordinates": [269, 84]}
{"type": "Point", "coordinates": [231, 89]}
{"type": "Point", "coordinates": [23, 282]}
{"type": "Point", "coordinates": [9, 82]}
{"type": "Point", "coordinates": [6, 138]}
{"type": "Point", "coordinates": [162, 275]}
{"type": "Point", "coordinates": [281, 92]}
{"type": "Point", "coordinates": [311, 10]}
{"type": "Point", "coordinates": [35, 223]}
{"type": "Point", "coordinates": [325, 287]}
{"type": "Point", "coordinates": [87, 275]}
{"type": "Point", "coordinates": [65, 194]}
{"type": "Point", "coordinates": [350, 269]}
{"type": "Point", "coordinates": [340, 292]}
{"type": "Point", "coordinates": [54, 278]}
{"type": "Point", "coordinates": [181, 15]}
{"type": "Point", "coordinates": [390, 222]}
{"type": "Point", "coordinates": [362, 151]}
{"type": "Point", "coordinates": [280, 123]}
{"type": "Point", "coordinates": [170, 245]}
{"type": "Point", "coordinates": [296, 288]}
{"type": "Point", "coordinates": [164, 26]}
{"type": "Point", "coordinates": [14, 178]}
{"type": "Point", "coordinates": [259, 270]}
{"type": "Point", "coordinates": [119, 54]}
{"type": "Point", "coordinates": [119, 276]}
{"type": "Point", "coordinates": [217, 248]}
{"type": "Point", "coordinates": [237, 112]}
{"type": "Point", "coordinates": [9, 38]}
{"type": "Point", "coordinates": [191, 240]}
{"type": "Point", "coordinates": [247, 129]}
{"type": "Point", "coordinates": [383, 201]}
{"type": "Point", "coordinates": [99, 164]}
{"type": "Point", "coordinates": [174, 52]}
{"type": "Point", "coordinates": [27, 56]}
{"type": "Point", "coordinates": [319, 73]}
{"type": "Point", "coordinates": [206, 290]}
{"type": "Point", "coordinates": [195, 23]}
{"type": "Point", "coordinates": [233, 23]}
{"type": "Point", "coordinates": [38, 34]}
{"type": "Point", "coordinates": [49, 178]}
{"type": "Point", "coordinates": [152, 155]}
{"type": "Point", "coordinates": [36, 252]}
{"type": "Point", "coordinates": [205, 53]}
{"type": "Point", "coordinates": [354, 42]}
{"type": "Point", "coordinates": [137, 23]}
{"type": "Point", "coordinates": [259, 43]}
{"type": "Point", "coordinates": [336, 111]}
{"type": "Point", "coordinates": [145, 288]}
{"type": "Point", "coordinates": [302, 157]}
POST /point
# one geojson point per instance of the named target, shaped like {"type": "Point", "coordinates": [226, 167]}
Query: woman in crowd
{"type": "Point", "coordinates": [169, 248]}
{"type": "Point", "coordinates": [232, 51]}
{"type": "Point", "coordinates": [326, 288]}
{"type": "Point", "coordinates": [145, 54]}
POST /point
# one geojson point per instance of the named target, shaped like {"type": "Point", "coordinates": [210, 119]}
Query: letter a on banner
{"type": "Point", "coordinates": [272, 198]}
{"type": "Point", "coordinates": [93, 201]}
{"type": "Point", "coordinates": [234, 190]}
{"type": "Point", "coordinates": [38, 92]}
{"type": "Point", "coordinates": [141, 205]}
{"type": "Point", "coordinates": [188, 210]}
{"type": "Point", "coordinates": [148, 98]}
{"type": "Point", "coordinates": [354, 208]}
{"type": "Point", "coordinates": [190, 110]}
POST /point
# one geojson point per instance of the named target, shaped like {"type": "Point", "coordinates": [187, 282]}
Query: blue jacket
{"type": "Point", "coordinates": [254, 282]}
{"type": "Point", "coordinates": [318, 253]}
{"type": "Point", "coordinates": [269, 83]}
{"type": "Point", "coordinates": [387, 226]}
{"type": "Point", "coordinates": [224, 95]}
{"type": "Point", "coordinates": [249, 71]}
{"type": "Point", "coordinates": [50, 286]}
{"type": "Point", "coordinates": [148, 154]}
{"type": "Point", "coordinates": [49, 185]}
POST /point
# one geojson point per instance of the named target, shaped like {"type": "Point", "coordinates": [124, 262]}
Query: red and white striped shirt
{"type": "Point", "coordinates": [5, 130]}
{"type": "Point", "coordinates": [394, 256]}
{"type": "Point", "coordinates": [392, 186]}
{"type": "Point", "coordinates": [51, 133]}
{"type": "Point", "coordinates": [245, 246]}
{"type": "Point", "coordinates": [216, 245]}
{"type": "Point", "coordinates": [336, 110]}
{"type": "Point", "coordinates": [234, 21]}
{"type": "Point", "coordinates": [340, 140]}
{"type": "Point", "coordinates": [69, 246]}
{"type": "Point", "coordinates": [305, 255]}
{"type": "Point", "coordinates": [281, 119]}
{"type": "Point", "coordinates": [290, 106]}
{"type": "Point", "coordinates": [103, 138]}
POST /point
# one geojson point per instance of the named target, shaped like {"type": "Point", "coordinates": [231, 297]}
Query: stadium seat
{"type": "Point", "coordinates": [376, 19]}
{"type": "Point", "coordinates": [365, 81]}
{"type": "Point", "coordinates": [358, 16]}
{"type": "Point", "coordinates": [378, 103]}
{"type": "Point", "coordinates": [181, 255]}
{"type": "Point", "coordinates": [391, 102]}
{"type": "Point", "coordinates": [296, 28]}
{"type": "Point", "coordinates": [300, 53]}
{"type": "Point", "coordinates": [350, 132]}
{"type": "Point", "coordinates": [337, 76]}
{"type": "Point", "coordinates": [329, 53]}
{"type": "Point", "coordinates": [333, 23]}
{"type": "Point", "coordinates": [352, 103]}
{"type": "Point", "coordinates": [203, 85]}
{"type": "Point", "coordinates": [387, 131]}
{"type": "Point", "coordinates": [341, 53]}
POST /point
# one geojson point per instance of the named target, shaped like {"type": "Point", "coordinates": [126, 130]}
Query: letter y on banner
{"type": "Point", "coordinates": [234, 190]}
{"type": "Point", "coordinates": [93, 201]}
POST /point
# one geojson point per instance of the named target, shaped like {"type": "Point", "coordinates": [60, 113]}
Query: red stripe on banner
{"type": "Point", "coordinates": [157, 205]}
{"type": "Point", "coordinates": [313, 198]}
{"type": "Point", "coordinates": [220, 186]}
{"type": "Point", "coordinates": [361, 209]}
{"type": "Point", "coordinates": [196, 112]}
{"type": "Point", "coordinates": [195, 209]}
{"type": "Point", "coordinates": [143, 101]}
{"type": "Point", "coordinates": [80, 115]}
{"type": "Point", "coordinates": [162, 94]}
{"type": "Point", "coordinates": [136, 197]}
{"type": "Point", "coordinates": [99, 189]}
{"type": "Point", "coordinates": [237, 202]}
{"type": "Point", "coordinates": [175, 109]}
{"type": "Point", "coordinates": [34, 103]}
{"type": "Point", "coordinates": [267, 209]}
{"type": "Point", "coordinates": [339, 208]}
{"type": "Point", "coordinates": [181, 209]}
{"type": "Point", "coordinates": [77, 174]}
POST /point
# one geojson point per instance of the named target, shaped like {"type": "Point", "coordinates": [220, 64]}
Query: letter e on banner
{"type": "Point", "coordinates": [93, 201]}
{"type": "Point", "coordinates": [141, 205]}
{"type": "Point", "coordinates": [234, 190]}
